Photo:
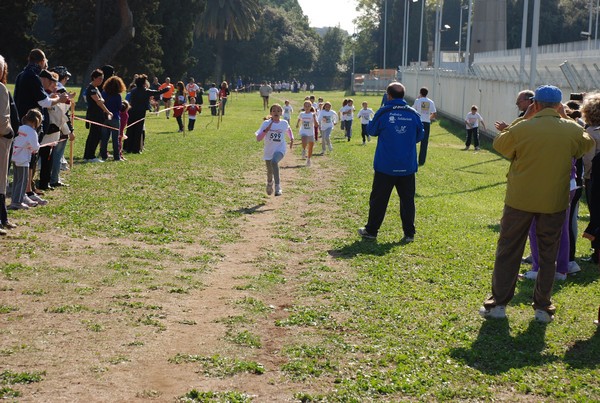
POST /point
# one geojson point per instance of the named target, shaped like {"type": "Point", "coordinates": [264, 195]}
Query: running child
{"type": "Point", "coordinates": [273, 131]}
{"type": "Point", "coordinates": [327, 120]}
{"type": "Point", "coordinates": [347, 116]}
{"type": "Point", "coordinates": [307, 131]}
{"type": "Point", "coordinates": [365, 115]}
{"type": "Point", "coordinates": [179, 105]}
{"type": "Point", "coordinates": [287, 111]}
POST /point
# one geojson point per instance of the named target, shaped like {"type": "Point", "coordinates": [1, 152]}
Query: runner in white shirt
{"type": "Point", "coordinates": [347, 116]}
{"type": "Point", "coordinates": [472, 121]}
{"type": "Point", "coordinates": [365, 114]}
{"type": "Point", "coordinates": [273, 131]}
{"type": "Point", "coordinates": [287, 111]}
{"type": "Point", "coordinates": [426, 108]}
{"type": "Point", "coordinates": [327, 119]}
{"type": "Point", "coordinates": [307, 121]}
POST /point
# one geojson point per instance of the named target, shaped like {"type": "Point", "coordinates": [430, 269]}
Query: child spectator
{"type": "Point", "coordinates": [365, 115]}
{"type": "Point", "coordinates": [179, 105]}
{"type": "Point", "coordinates": [192, 110]}
{"type": "Point", "coordinates": [124, 117]}
{"type": "Point", "coordinates": [25, 144]}
{"type": "Point", "coordinates": [472, 121]}
{"type": "Point", "coordinates": [273, 131]}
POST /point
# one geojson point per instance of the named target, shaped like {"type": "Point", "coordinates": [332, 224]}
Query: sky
{"type": "Point", "coordinates": [330, 13]}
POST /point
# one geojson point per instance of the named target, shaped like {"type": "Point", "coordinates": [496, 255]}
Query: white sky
{"type": "Point", "coordinates": [330, 13]}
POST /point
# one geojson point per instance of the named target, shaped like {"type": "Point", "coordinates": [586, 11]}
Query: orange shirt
{"type": "Point", "coordinates": [169, 93]}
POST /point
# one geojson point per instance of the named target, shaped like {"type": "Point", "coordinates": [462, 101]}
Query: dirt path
{"type": "Point", "coordinates": [128, 358]}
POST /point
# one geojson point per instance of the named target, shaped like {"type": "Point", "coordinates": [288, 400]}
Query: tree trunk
{"type": "Point", "coordinates": [114, 44]}
{"type": "Point", "coordinates": [218, 68]}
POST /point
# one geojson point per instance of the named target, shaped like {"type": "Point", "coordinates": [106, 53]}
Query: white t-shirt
{"type": "Point", "coordinates": [347, 112]}
{"type": "Point", "coordinates": [473, 119]}
{"type": "Point", "coordinates": [425, 107]}
{"type": "Point", "coordinates": [307, 123]}
{"type": "Point", "coordinates": [275, 138]}
{"type": "Point", "coordinates": [327, 119]}
{"type": "Point", "coordinates": [213, 94]}
{"type": "Point", "coordinates": [25, 144]}
{"type": "Point", "coordinates": [287, 112]}
{"type": "Point", "coordinates": [365, 115]}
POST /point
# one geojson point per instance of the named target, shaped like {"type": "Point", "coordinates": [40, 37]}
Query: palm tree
{"type": "Point", "coordinates": [224, 20]}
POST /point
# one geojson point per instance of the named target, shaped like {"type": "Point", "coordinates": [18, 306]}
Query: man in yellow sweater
{"type": "Point", "coordinates": [540, 146]}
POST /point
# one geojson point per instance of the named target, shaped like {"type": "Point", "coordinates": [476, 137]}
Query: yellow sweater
{"type": "Point", "coordinates": [541, 150]}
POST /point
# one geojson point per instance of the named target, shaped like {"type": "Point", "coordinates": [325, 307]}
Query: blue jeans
{"type": "Point", "coordinates": [348, 128]}
{"type": "Point", "coordinates": [424, 143]}
{"type": "Point", "coordinates": [57, 154]}
{"type": "Point", "coordinates": [108, 133]}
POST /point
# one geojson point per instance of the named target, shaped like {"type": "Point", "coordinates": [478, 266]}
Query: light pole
{"type": "Point", "coordinates": [523, 41]}
{"type": "Point", "coordinates": [421, 31]}
{"type": "Point", "coordinates": [535, 32]}
{"type": "Point", "coordinates": [460, 29]}
{"type": "Point", "coordinates": [406, 32]}
{"type": "Point", "coordinates": [384, 32]}
{"type": "Point", "coordinates": [468, 46]}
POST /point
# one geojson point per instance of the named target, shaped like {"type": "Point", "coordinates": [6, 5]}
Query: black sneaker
{"type": "Point", "coordinates": [365, 234]}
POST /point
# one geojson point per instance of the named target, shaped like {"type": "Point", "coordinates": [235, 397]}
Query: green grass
{"type": "Point", "coordinates": [367, 320]}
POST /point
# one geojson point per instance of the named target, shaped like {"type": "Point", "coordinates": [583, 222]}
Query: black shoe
{"type": "Point", "coordinates": [45, 187]}
{"type": "Point", "coordinates": [59, 184]}
{"type": "Point", "coordinates": [8, 225]}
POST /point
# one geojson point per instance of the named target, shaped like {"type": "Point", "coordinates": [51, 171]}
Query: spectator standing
{"type": "Point", "coordinates": [395, 162]}
{"type": "Point", "coordinates": [545, 141]}
{"type": "Point", "coordinates": [96, 112]}
{"type": "Point", "coordinates": [213, 98]}
{"type": "Point", "coordinates": [112, 90]}
{"type": "Point", "coordinates": [223, 94]}
{"type": "Point", "coordinates": [6, 138]}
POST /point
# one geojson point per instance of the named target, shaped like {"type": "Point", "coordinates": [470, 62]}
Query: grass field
{"type": "Point", "coordinates": [112, 256]}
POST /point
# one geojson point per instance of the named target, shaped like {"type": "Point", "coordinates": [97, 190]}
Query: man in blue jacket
{"type": "Point", "coordinates": [399, 129]}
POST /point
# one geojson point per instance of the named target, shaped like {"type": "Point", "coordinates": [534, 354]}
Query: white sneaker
{"type": "Point", "coordinates": [38, 199]}
{"type": "Point", "coordinates": [18, 206]}
{"type": "Point", "coordinates": [278, 191]}
{"type": "Point", "coordinates": [560, 276]}
{"type": "Point", "coordinates": [573, 267]}
{"type": "Point", "coordinates": [543, 316]}
{"type": "Point", "coordinates": [369, 138]}
{"type": "Point", "coordinates": [497, 312]}
{"type": "Point", "coordinates": [308, 162]}
{"type": "Point", "coordinates": [96, 160]}
{"type": "Point", "coordinates": [269, 188]}
{"type": "Point", "coordinates": [28, 202]}
{"type": "Point", "coordinates": [529, 275]}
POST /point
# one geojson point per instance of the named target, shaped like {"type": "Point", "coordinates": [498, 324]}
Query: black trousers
{"type": "Point", "coordinates": [45, 154]}
{"type": "Point", "coordinates": [92, 142]}
{"type": "Point", "coordinates": [380, 196]}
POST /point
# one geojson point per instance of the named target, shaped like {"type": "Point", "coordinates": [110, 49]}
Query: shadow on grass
{"type": "Point", "coordinates": [364, 247]}
{"type": "Point", "coordinates": [477, 189]}
{"type": "Point", "coordinates": [466, 167]}
{"type": "Point", "coordinates": [251, 210]}
{"type": "Point", "coordinates": [584, 353]}
{"type": "Point", "coordinates": [495, 351]}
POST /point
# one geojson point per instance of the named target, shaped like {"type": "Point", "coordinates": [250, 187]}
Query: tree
{"type": "Point", "coordinates": [16, 22]}
{"type": "Point", "coordinates": [225, 20]}
{"type": "Point", "coordinates": [327, 66]}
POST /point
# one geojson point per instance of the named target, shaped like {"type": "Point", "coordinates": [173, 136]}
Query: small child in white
{"type": "Point", "coordinates": [273, 131]}
{"type": "Point", "coordinates": [308, 119]}
{"type": "Point", "coordinates": [287, 111]}
{"type": "Point", "coordinates": [365, 115]}
{"type": "Point", "coordinates": [26, 143]}
{"type": "Point", "coordinates": [472, 121]}
{"type": "Point", "coordinates": [327, 119]}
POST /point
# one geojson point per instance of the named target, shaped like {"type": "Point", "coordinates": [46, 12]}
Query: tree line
{"type": "Point", "coordinates": [213, 40]}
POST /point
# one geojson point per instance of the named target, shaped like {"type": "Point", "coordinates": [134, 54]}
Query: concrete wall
{"type": "Point", "coordinates": [454, 94]}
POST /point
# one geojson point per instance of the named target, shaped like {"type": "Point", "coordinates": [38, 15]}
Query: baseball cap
{"type": "Point", "coordinates": [548, 93]}
{"type": "Point", "coordinates": [61, 71]}
{"type": "Point", "coordinates": [46, 74]}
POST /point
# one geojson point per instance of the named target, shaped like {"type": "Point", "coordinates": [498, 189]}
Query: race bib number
{"type": "Point", "coordinates": [306, 125]}
{"type": "Point", "coordinates": [274, 136]}
{"type": "Point", "coordinates": [326, 119]}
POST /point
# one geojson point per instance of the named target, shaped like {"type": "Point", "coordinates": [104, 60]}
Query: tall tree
{"type": "Point", "coordinates": [327, 68]}
{"type": "Point", "coordinates": [16, 21]}
{"type": "Point", "coordinates": [225, 20]}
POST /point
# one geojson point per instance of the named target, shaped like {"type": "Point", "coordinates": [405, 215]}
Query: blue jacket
{"type": "Point", "coordinates": [399, 129]}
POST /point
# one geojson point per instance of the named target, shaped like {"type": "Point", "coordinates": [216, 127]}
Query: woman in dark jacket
{"type": "Point", "coordinates": [139, 100]}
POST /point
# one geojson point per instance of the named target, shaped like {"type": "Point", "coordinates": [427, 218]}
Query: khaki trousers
{"type": "Point", "coordinates": [514, 228]}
